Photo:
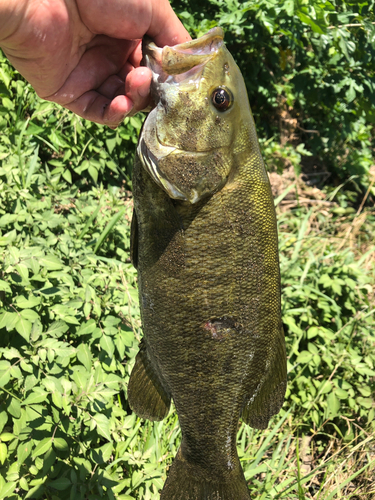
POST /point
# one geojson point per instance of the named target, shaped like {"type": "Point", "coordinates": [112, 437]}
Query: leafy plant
{"type": "Point", "coordinates": [328, 309]}
{"type": "Point", "coordinates": [69, 316]}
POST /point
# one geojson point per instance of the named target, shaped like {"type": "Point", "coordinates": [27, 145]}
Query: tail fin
{"type": "Point", "coordinates": [187, 481]}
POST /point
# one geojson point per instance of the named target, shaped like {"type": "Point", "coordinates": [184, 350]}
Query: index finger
{"type": "Point", "coordinates": [165, 27]}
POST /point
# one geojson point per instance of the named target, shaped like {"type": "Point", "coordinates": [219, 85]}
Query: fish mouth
{"type": "Point", "coordinates": [168, 64]}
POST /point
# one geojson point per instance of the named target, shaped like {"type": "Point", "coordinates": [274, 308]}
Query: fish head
{"type": "Point", "coordinates": [188, 139]}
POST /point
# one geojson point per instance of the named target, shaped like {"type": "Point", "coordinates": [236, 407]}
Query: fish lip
{"type": "Point", "coordinates": [181, 61]}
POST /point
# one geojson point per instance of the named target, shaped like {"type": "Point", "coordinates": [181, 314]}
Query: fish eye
{"type": "Point", "coordinates": [222, 99]}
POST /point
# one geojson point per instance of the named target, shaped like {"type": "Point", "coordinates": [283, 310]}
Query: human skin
{"type": "Point", "coordinates": [86, 54]}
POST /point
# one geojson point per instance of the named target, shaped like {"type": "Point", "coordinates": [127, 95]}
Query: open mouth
{"type": "Point", "coordinates": [178, 61]}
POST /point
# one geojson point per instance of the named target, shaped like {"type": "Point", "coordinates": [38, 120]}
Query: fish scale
{"type": "Point", "coordinates": [207, 259]}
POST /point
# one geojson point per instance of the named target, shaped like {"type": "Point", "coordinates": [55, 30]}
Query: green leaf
{"type": "Point", "coordinates": [57, 328]}
{"type": "Point", "coordinates": [67, 176]}
{"type": "Point", "coordinates": [23, 327]}
{"type": "Point", "coordinates": [106, 451]}
{"type": "Point", "coordinates": [32, 164]}
{"type": "Point", "coordinates": [36, 330]}
{"type": "Point", "coordinates": [3, 417]}
{"type": "Point", "coordinates": [51, 263]}
{"type": "Point", "coordinates": [23, 484]}
{"type": "Point", "coordinates": [86, 328]}
{"type": "Point", "coordinates": [80, 378]}
{"type": "Point", "coordinates": [23, 451]}
{"type": "Point", "coordinates": [289, 7]}
{"type": "Point", "coordinates": [4, 372]}
{"type": "Point", "coordinates": [102, 425]}
{"type": "Point", "coordinates": [14, 408]}
{"type": "Point", "coordinates": [42, 447]}
{"type": "Point", "coordinates": [57, 399]}
{"type": "Point", "coordinates": [8, 320]}
{"type": "Point", "coordinates": [27, 303]}
{"type": "Point", "coordinates": [37, 396]}
{"type": "Point", "coordinates": [36, 492]}
{"type": "Point", "coordinates": [84, 356]}
{"type": "Point", "coordinates": [60, 444]}
{"type": "Point", "coordinates": [325, 387]}
{"type": "Point", "coordinates": [111, 144]}
{"type": "Point", "coordinates": [107, 344]}
{"type": "Point", "coordinates": [60, 484]}
{"type": "Point", "coordinates": [333, 405]}
{"type": "Point", "coordinates": [8, 238]}
{"type": "Point", "coordinates": [111, 224]}
{"type": "Point", "coordinates": [3, 453]}
{"type": "Point", "coordinates": [365, 402]}
{"type": "Point", "coordinates": [7, 490]}
{"type": "Point", "coordinates": [93, 173]}
{"type": "Point", "coordinates": [341, 394]}
{"type": "Point", "coordinates": [23, 271]}
{"type": "Point", "coordinates": [4, 286]}
{"type": "Point", "coordinates": [317, 28]}
{"type": "Point", "coordinates": [30, 315]}
{"type": "Point", "coordinates": [7, 436]}
{"type": "Point", "coordinates": [304, 357]}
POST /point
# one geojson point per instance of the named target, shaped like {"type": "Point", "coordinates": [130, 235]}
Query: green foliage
{"type": "Point", "coordinates": [69, 331]}
{"type": "Point", "coordinates": [69, 316]}
{"type": "Point", "coordinates": [69, 328]}
{"type": "Point", "coordinates": [309, 69]}
{"type": "Point", "coordinates": [329, 314]}
{"type": "Point", "coordinates": [68, 147]}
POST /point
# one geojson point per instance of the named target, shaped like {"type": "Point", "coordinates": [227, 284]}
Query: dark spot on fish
{"type": "Point", "coordinates": [228, 365]}
{"type": "Point", "coordinates": [183, 99]}
{"type": "Point", "coordinates": [220, 328]}
{"type": "Point", "coordinates": [198, 116]}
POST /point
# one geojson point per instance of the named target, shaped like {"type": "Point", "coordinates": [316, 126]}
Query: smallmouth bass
{"type": "Point", "coordinates": [204, 242]}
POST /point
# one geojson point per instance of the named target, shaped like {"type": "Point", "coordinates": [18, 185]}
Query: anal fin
{"type": "Point", "coordinates": [258, 410]}
{"type": "Point", "coordinates": [146, 394]}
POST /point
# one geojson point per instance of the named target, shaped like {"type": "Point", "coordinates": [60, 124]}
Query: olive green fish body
{"type": "Point", "coordinates": [207, 261]}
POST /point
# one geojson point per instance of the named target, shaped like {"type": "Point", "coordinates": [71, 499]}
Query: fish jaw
{"type": "Point", "coordinates": [168, 63]}
{"type": "Point", "coordinates": [192, 159]}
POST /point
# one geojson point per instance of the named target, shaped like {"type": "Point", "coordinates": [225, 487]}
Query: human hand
{"type": "Point", "coordinates": [86, 54]}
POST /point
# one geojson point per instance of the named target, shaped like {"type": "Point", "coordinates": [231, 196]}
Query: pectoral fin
{"type": "Point", "coordinates": [147, 396]}
{"type": "Point", "coordinates": [259, 409]}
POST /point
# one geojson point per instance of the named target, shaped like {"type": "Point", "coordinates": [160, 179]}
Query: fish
{"type": "Point", "coordinates": [204, 243]}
